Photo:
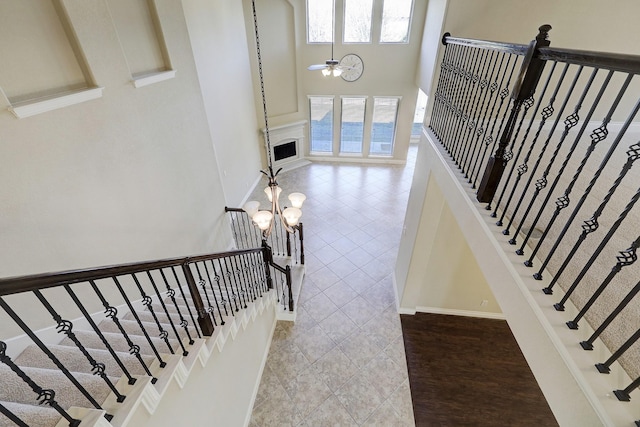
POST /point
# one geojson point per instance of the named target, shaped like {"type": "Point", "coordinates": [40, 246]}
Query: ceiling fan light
{"type": "Point", "coordinates": [337, 72]}
{"type": "Point", "coordinates": [326, 72]}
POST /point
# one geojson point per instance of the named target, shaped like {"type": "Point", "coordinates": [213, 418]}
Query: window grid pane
{"type": "Point", "coordinates": [396, 16]}
{"type": "Point", "coordinates": [352, 128]}
{"type": "Point", "coordinates": [319, 21]}
{"type": "Point", "coordinates": [321, 110]}
{"type": "Point", "coordinates": [383, 126]}
{"type": "Point", "coordinates": [357, 21]}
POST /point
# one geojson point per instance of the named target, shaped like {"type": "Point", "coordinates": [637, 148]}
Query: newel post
{"type": "Point", "coordinates": [523, 88]}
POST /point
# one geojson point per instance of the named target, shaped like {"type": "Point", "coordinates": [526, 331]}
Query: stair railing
{"type": "Point", "coordinates": [280, 243]}
{"type": "Point", "coordinates": [568, 131]}
{"type": "Point", "coordinates": [192, 295]}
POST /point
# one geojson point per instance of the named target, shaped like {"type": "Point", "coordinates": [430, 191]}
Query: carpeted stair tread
{"type": "Point", "coordinates": [14, 389]}
{"type": "Point", "coordinates": [132, 326]}
{"type": "Point", "coordinates": [73, 359]}
{"type": "Point", "coordinates": [33, 415]}
{"type": "Point", "coordinates": [119, 343]}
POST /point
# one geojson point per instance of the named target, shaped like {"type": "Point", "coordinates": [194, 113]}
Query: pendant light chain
{"type": "Point", "coordinates": [264, 98]}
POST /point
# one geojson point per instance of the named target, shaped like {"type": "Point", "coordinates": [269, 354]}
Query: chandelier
{"type": "Point", "coordinates": [265, 219]}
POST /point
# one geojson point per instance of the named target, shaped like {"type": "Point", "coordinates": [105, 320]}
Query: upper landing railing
{"type": "Point", "coordinates": [548, 137]}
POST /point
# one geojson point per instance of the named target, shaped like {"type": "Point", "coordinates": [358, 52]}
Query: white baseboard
{"type": "Point", "coordinates": [452, 312]}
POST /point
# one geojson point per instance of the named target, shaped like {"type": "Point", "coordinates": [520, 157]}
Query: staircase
{"type": "Point", "coordinates": [99, 369]}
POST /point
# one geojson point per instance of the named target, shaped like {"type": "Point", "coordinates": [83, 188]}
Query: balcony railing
{"type": "Point", "coordinates": [548, 137]}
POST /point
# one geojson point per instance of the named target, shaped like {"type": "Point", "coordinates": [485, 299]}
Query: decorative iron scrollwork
{"type": "Point", "coordinates": [590, 225]}
{"type": "Point", "coordinates": [171, 293]}
{"type": "Point", "coordinates": [111, 312]}
{"type": "Point", "coordinates": [562, 202]}
{"type": "Point", "coordinates": [98, 368]}
{"type": "Point", "coordinates": [134, 350]}
{"type": "Point", "coordinates": [146, 301]}
{"type": "Point", "coordinates": [599, 134]}
{"type": "Point", "coordinates": [46, 397]}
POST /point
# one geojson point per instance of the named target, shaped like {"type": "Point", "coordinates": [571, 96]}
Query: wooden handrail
{"type": "Point", "coordinates": [14, 285]}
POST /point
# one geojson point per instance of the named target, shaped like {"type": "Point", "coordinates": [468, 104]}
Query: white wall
{"type": "Point", "coordinates": [219, 42]}
{"type": "Point", "coordinates": [132, 175]}
{"type": "Point", "coordinates": [221, 393]}
{"type": "Point", "coordinates": [436, 269]}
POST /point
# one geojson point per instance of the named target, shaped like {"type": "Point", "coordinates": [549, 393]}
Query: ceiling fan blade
{"type": "Point", "coordinates": [316, 67]}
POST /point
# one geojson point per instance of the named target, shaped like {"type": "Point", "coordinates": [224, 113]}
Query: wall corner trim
{"type": "Point", "coordinates": [31, 108]}
{"type": "Point", "coordinates": [149, 79]}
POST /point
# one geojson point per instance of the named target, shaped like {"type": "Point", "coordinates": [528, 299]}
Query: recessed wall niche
{"type": "Point", "coordinates": [42, 64]}
{"type": "Point", "coordinates": [142, 41]}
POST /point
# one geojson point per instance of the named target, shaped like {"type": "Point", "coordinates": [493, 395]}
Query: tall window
{"type": "Point", "coordinates": [352, 125]}
{"type": "Point", "coordinates": [383, 128]}
{"type": "Point", "coordinates": [357, 21]}
{"type": "Point", "coordinates": [396, 16]}
{"type": "Point", "coordinates": [321, 108]}
{"type": "Point", "coordinates": [319, 21]}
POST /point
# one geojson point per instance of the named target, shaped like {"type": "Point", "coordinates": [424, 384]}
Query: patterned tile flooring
{"type": "Point", "coordinates": [342, 363]}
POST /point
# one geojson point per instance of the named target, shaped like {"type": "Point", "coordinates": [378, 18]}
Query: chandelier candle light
{"type": "Point", "coordinates": [264, 219]}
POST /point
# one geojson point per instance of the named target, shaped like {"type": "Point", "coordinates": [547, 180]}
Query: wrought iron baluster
{"type": "Point", "coordinates": [66, 327]}
{"type": "Point", "coordinates": [547, 112]}
{"type": "Point", "coordinates": [560, 173]}
{"type": "Point", "coordinates": [172, 294]}
{"type": "Point", "coordinates": [216, 278]}
{"type": "Point", "coordinates": [592, 225]}
{"type": "Point", "coordinates": [492, 140]}
{"type": "Point", "coordinates": [237, 279]}
{"type": "Point", "coordinates": [163, 332]}
{"type": "Point", "coordinates": [478, 130]}
{"type": "Point", "coordinates": [605, 366]}
{"type": "Point", "coordinates": [98, 332]}
{"type": "Point", "coordinates": [472, 115]}
{"type": "Point", "coordinates": [530, 72]}
{"type": "Point", "coordinates": [45, 396]}
{"type": "Point", "coordinates": [12, 417]}
{"type": "Point", "coordinates": [209, 309]}
{"type": "Point", "coordinates": [112, 313]}
{"type": "Point", "coordinates": [213, 290]}
{"type": "Point", "coordinates": [146, 302]}
{"type": "Point", "coordinates": [541, 183]}
{"type": "Point", "coordinates": [49, 354]}
{"type": "Point", "coordinates": [206, 322]}
{"type": "Point", "coordinates": [463, 113]}
{"type": "Point", "coordinates": [225, 274]}
{"type": "Point", "coordinates": [598, 135]}
{"type": "Point", "coordinates": [626, 257]}
{"type": "Point", "coordinates": [623, 395]}
{"type": "Point", "coordinates": [184, 298]}
{"type": "Point", "coordinates": [251, 280]}
{"type": "Point", "coordinates": [438, 104]}
{"type": "Point", "coordinates": [457, 85]}
{"type": "Point", "coordinates": [452, 75]}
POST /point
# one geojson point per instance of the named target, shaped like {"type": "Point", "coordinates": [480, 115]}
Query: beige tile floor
{"type": "Point", "coordinates": [342, 362]}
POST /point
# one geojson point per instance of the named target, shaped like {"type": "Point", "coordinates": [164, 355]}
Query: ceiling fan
{"type": "Point", "coordinates": [331, 66]}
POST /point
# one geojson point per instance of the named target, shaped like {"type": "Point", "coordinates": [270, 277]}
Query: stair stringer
{"type": "Point", "coordinates": [150, 395]}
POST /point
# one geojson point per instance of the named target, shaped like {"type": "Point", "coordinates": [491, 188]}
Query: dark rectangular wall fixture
{"type": "Point", "coordinates": [284, 151]}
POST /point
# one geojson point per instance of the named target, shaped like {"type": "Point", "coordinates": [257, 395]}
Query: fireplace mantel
{"type": "Point", "coordinates": [290, 133]}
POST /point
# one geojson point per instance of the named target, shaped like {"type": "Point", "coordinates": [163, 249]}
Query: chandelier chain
{"type": "Point", "coordinates": [264, 98]}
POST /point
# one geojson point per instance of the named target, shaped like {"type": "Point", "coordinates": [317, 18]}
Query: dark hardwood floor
{"type": "Point", "coordinates": [466, 371]}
